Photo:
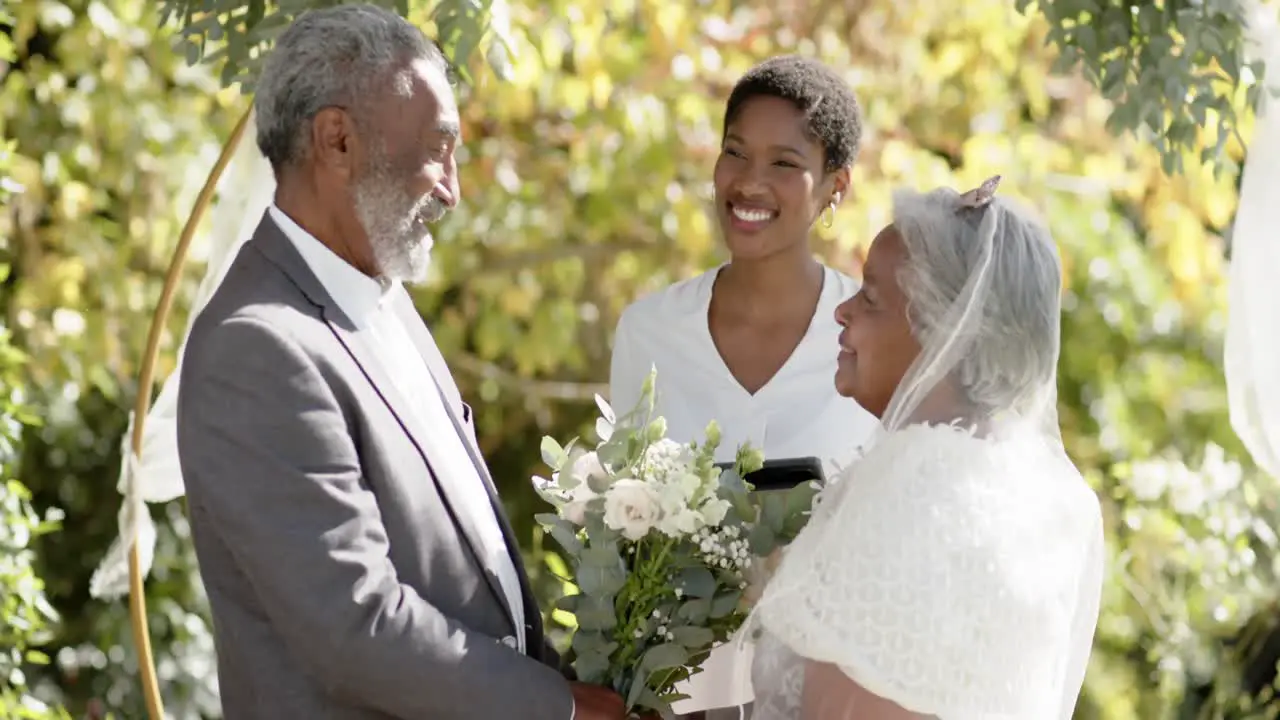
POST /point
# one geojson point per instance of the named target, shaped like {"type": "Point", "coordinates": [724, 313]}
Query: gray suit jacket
{"type": "Point", "coordinates": [342, 583]}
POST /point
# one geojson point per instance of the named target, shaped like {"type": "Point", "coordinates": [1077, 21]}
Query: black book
{"type": "Point", "coordinates": [783, 474]}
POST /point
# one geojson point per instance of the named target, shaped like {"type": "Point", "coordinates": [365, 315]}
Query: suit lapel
{"type": "Point", "coordinates": [360, 345]}
{"type": "Point", "coordinates": [362, 349]}
{"type": "Point", "coordinates": [430, 352]}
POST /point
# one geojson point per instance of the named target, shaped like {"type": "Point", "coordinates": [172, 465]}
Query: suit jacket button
{"type": "Point", "coordinates": [510, 641]}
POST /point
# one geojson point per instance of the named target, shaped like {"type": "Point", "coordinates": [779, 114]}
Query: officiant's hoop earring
{"type": "Point", "coordinates": [146, 383]}
{"type": "Point", "coordinates": [828, 215]}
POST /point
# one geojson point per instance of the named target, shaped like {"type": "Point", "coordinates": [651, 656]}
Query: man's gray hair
{"type": "Point", "coordinates": [348, 56]}
{"type": "Point", "coordinates": [1007, 346]}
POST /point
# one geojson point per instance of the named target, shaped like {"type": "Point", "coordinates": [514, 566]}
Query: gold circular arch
{"type": "Point", "coordinates": [146, 383]}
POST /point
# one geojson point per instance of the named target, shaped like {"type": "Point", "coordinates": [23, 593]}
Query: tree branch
{"type": "Point", "coordinates": [507, 262]}
{"type": "Point", "coordinates": [545, 389]}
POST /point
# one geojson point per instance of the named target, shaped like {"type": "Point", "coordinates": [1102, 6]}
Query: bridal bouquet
{"type": "Point", "coordinates": [660, 542]}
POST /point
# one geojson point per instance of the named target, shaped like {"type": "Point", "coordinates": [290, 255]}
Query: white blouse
{"type": "Point", "coordinates": [797, 413]}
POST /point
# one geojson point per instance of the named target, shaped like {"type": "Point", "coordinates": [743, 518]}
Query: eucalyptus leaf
{"type": "Point", "coordinates": [606, 410]}
{"type": "Point", "coordinates": [695, 611]}
{"type": "Point", "coordinates": [588, 642]}
{"type": "Point", "coordinates": [601, 570]}
{"type": "Point", "coordinates": [724, 604]}
{"type": "Point", "coordinates": [615, 453]}
{"type": "Point", "coordinates": [552, 454]}
{"type": "Point", "coordinates": [696, 582]}
{"type": "Point", "coordinates": [646, 698]}
{"type": "Point", "coordinates": [762, 540]}
{"type": "Point", "coordinates": [595, 612]}
{"type": "Point", "coordinates": [638, 685]}
{"type": "Point", "coordinates": [604, 429]}
{"type": "Point", "coordinates": [664, 656]}
{"type": "Point", "coordinates": [567, 537]}
{"type": "Point", "coordinates": [596, 529]}
{"type": "Point", "coordinates": [592, 668]}
{"type": "Point", "coordinates": [773, 510]}
{"type": "Point", "coordinates": [693, 637]}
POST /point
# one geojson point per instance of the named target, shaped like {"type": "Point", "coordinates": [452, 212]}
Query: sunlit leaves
{"type": "Point", "coordinates": [234, 35]}
{"type": "Point", "coordinates": [27, 620]}
{"type": "Point", "coordinates": [585, 183]}
{"type": "Point", "coordinates": [113, 134]}
{"type": "Point", "coordinates": [1172, 70]}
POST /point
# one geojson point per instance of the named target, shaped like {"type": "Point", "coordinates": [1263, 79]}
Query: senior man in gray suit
{"type": "Point", "coordinates": [355, 552]}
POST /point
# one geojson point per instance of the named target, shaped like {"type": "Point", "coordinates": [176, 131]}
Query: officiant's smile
{"type": "Point", "coordinates": [771, 179]}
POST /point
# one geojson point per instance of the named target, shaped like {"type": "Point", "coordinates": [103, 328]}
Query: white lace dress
{"type": "Point", "coordinates": [958, 577]}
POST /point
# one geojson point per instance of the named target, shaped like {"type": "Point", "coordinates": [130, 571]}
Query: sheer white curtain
{"type": "Point", "coordinates": [244, 192]}
{"type": "Point", "coordinates": [1252, 356]}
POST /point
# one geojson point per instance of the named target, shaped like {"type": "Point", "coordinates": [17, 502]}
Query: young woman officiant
{"type": "Point", "coordinates": [751, 344]}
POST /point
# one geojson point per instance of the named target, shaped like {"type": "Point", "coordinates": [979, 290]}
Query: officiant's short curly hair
{"type": "Point", "coordinates": [835, 118]}
{"type": "Point", "coordinates": [343, 56]}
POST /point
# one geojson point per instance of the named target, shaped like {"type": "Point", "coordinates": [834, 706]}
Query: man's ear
{"type": "Point", "coordinates": [334, 142]}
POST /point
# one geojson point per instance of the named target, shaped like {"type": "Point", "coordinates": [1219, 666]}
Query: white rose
{"type": "Point", "coordinates": [632, 508]}
{"type": "Point", "coordinates": [587, 467]}
{"type": "Point", "coordinates": [575, 507]}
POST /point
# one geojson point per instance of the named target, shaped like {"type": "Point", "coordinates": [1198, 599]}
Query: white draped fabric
{"type": "Point", "coordinates": [1252, 355]}
{"type": "Point", "coordinates": [154, 476]}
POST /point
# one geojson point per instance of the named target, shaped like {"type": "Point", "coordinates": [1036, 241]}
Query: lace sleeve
{"type": "Point", "coordinates": [942, 575]}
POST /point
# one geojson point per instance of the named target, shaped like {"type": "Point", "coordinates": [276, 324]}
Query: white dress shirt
{"type": "Point", "coordinates": [365, 301]}
{"type": "Point", "coordinates": [796, 414]}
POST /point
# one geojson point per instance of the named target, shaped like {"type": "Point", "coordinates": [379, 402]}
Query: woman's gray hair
{"type": "Point", "coordinates": [349, 56]}
{"type": "Point", "coordinates": [1006, 347]}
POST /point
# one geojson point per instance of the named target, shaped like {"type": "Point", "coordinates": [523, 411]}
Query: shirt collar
{"type": "Point", "coordinates": [356, 294]}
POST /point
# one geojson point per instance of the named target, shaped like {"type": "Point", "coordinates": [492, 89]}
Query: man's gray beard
{"type": "Point", "coordinates": [396, 223]}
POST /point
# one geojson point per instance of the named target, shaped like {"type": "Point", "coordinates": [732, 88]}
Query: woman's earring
{"type": "Point", "coordinates": [828, 215]}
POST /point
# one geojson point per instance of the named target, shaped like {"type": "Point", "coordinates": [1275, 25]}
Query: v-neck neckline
{"type": "Point", "coordinates": [828, 285]}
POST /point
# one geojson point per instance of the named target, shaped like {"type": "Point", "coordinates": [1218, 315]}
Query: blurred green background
{"type": "Point", "coordinates": [586, 178]}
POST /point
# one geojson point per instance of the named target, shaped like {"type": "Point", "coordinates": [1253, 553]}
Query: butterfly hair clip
{"type": "Point", "coordinates": [982, 195]}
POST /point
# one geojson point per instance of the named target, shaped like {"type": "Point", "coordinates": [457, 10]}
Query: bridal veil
{"type": "Point", "coordinates": [955, 570]}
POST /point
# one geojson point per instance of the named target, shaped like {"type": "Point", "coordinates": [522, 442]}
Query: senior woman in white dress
{"type": "Point", "coordinates": [750, 344]}
{"type": "Point", "coordinates": [955, 570]}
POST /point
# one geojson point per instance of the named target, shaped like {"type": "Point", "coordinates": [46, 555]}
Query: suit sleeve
{"type": "Point", "coordinates": [274, 474]}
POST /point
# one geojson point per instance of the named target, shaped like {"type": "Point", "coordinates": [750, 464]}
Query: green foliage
{"type": "Point", "coordinates": [113, 136]}
{"type": "Point", "coordinates": [236, 34]}
{"type": "Point", "coordinates": [585, 184]}
{"type": "Point", "coordinates": [26, 617]}
{"type": "Point", "coordinates": [1172, 69]}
